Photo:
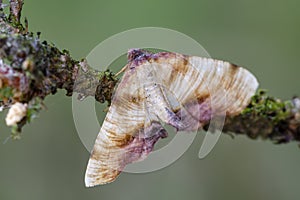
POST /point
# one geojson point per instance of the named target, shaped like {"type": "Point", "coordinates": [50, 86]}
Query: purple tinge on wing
{"type": "Point", "coordinates": [117, 146]}
{"type": "Point", "coordinates": [109, 159]}
{"type": "Point", "coordinates": [144, 142]}
{"type": "Point", "coordinates": [137, 56]}
{"type": "Point", "coordinates": [191, 116]}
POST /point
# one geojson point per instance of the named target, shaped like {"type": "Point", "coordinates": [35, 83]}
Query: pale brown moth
{"type": "Point", "coordinates": [163, 87]}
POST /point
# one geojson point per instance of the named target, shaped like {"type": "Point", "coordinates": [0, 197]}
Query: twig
{"type": "Point", "coordinates": [31, 69]}
{"type": "Point", "coordinates": [267, 118]}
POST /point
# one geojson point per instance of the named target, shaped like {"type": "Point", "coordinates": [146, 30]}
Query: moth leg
{"type": "Point", "coordinates": [173, 119]}
{"type": "Point", "coordinates": [144, 142]}
{"type": "Point", "coordinates": [158, 106]}
{"type": "Point", "coordinates": [159, 109]}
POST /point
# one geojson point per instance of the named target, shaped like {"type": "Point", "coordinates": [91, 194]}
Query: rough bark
{"type": "Point", "coordinates": [31, 69]}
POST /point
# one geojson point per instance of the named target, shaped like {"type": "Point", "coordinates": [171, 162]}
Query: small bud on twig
{"type": "Point", "coordinates": [15, 114]}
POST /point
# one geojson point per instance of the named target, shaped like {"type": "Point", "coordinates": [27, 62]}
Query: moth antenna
{"type": "Point", "coordinates": [121, 71]}
{"type": "Point", "coordinates": [6, 140]}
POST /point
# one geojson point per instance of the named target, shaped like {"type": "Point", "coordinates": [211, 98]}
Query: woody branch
{"type": "Point", "coordinates": [31, 69]}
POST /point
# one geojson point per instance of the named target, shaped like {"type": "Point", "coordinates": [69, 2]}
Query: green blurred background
{"type": "Point", "coordinates": [49, 161]}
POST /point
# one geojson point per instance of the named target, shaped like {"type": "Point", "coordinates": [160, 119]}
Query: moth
{"type": "Point", "coordinates": [166, 88]}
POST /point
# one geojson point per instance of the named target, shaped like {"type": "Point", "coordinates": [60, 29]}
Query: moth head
{"type": "Point", "coordinates": [137, 55]}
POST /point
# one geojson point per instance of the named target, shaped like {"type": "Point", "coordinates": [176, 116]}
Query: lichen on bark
{"type": "Point", "coordinates": [32, 69]}
{"type": "Point", "coordinates": [267, 118]}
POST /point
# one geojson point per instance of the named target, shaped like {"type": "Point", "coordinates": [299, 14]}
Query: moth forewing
{"type": "Point", "coordinates": [183, 91]}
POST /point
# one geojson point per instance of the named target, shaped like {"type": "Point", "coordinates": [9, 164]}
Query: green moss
{"type": "Point", "coordinates": [264, 106]}
{"type": "Point", "coordinates": [33, 109]}
{"type": "Point", "coordinates": [6, 93]}
{"type": "Point", "coordinates": [15, 132]}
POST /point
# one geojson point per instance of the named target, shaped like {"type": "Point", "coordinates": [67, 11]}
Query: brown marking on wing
{"type": "Point", "coordinates": [102, 175]}
{"type": "Point", "coordinates": [137, 99]}
{"type": "Point", "coordinates": [233, 70]}
{"type": "Point", "coordinates": [202, 97]}
{"type": "Point", "coordinates": [113, 151]}
{"type": "Point", "coordinates": [95, 155]}
{"type": "Point", "coordinates": [108, 160]}
{"type": "Point", "coordinates": [121, 143]}
{"type": "Point", "coordinates": [118, 140]}
{"type": "Point", "coordinates": [234, 66]}
{"type": "Point", "coordinates": [107, 176]}
{"type": "Point", "coordinates": [180, 65]}
{"type": "Point", "coordinates": [197, 97]}
{"type": "Point", "coordinates": [173, 76]}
